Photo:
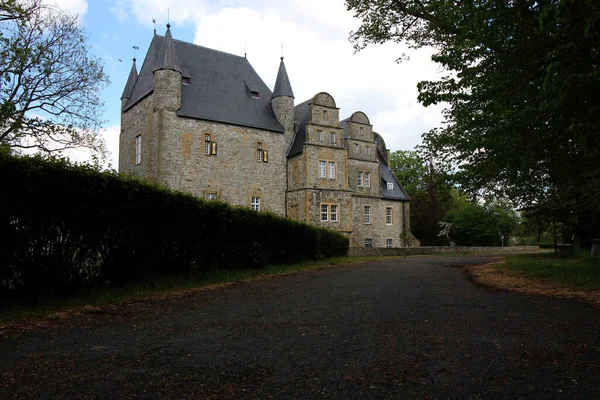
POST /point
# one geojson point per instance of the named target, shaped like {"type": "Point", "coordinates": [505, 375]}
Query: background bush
{"type": "Point", "coordinates": [66, 227]}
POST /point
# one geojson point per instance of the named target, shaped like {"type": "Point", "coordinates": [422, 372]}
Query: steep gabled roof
{"type": "Point", "coordinates": [300, 120]}
{"type": "Point", "coordinates": [398, 192]}
{"type": "Point", "coordinates": [133, 75]}
{"type": "Point", "coordinates": [218, 86]}
{"type": "Point", "coordinates": [282, 84]}
{"type": "Point", "coordinates": [167, 56]}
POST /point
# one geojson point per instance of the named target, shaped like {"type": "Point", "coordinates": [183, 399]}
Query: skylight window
{"type": "Point", "coordinates": [255, 95]}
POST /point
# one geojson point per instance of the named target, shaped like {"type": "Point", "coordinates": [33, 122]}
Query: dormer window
{"type": "Point", "coordinates": [390, 186]}
{"type": "Point", "coordinates": [186, 81]}
{"type": "Point", "coordinates": [255, 95]}
{"type": "Point", "coordinates": [253, 91]}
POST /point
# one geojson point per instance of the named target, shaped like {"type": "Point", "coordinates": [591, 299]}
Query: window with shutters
{"type": "Point", "coordinates": [261, 153]}
{"type": "Point", "coordinates": [210, 147]}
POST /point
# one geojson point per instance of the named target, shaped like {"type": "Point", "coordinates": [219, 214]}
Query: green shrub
{"type": "Point", "coordinates": [66, 228]}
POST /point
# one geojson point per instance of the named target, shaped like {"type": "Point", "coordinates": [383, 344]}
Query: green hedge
{"type": "Point", "coordinates": [67, 227]}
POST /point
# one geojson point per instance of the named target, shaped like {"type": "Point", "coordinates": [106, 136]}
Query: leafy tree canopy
{"type": "Point", "coordinates": [521, 85]}
{"type": "Point", "coordinates": [49, 83]}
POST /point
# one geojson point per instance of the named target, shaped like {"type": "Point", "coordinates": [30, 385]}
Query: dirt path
{"type": "Point", "coordinates": [413, 328]}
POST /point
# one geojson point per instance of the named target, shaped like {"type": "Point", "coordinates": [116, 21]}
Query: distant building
{"type": "Point", "coordinates": [202, 121]}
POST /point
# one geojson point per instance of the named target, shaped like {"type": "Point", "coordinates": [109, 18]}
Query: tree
{"type": "Point", "coordinates": [49, 84]}
{"type": "Point", "coordinates": [409, 169]}
{"type": "Point", "coordinates": [521, 86]}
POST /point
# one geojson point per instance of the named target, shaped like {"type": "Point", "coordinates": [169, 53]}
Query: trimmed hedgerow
{"type": "Point", "coordinates": [66, 227]}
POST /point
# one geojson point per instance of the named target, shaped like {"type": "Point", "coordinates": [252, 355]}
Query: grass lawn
{"type": "Point", "coordinates": [581, 271]}
{"type": "Point", "coordinates": [100, 297]}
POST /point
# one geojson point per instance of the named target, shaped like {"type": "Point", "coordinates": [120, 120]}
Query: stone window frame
{"type": "Point", "coordinates": [368, 150]}
{"type": "Point", "coordinates": [360, 178]}
{"type": "Point", "coordinates": [261, 153]}
{"type": "Point", "coordinates": [361, 131]}
{"type": "Point", "coordinates": [389, 215]}
{"type": "Point", "coordinates": [207, 144]}
{"type": "Point", "coordinates": [332, 137]}
{"type": "Point", "coordinates": [368, 243]}
{"type": "Point", "coordinates": [389, 243]}
{"type": "Point", "coordinates": [356, 148]}
{"type": "Point", "coordinates": [328, 214]}
{"type": "Point", "coordinates": [138, 149]}
{"type": "Point", "coordinates": [208, 196]}
{"type": "Point", "coordinates": [367, 179]}
{"type": "Point", "coordinates": [319, 135]}
{"type": "Point", "coordinates": [325, 115]}
{"type": "Point", "coordinates": [367, 214]}
{"type": "Point", "coordinates": [255, 203]}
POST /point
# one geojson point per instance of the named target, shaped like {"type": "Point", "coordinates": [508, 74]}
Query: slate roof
{"type": "Point", "coordinates": [301, 119]}
{"type": "Point", "coordinates": [167, 56]}
{"type": "Point", "coordinates": [219, 90]}
{"type": "Point", "coordinates": [133, 75]}
{"type": "Point", "coordinates": [282, 84]}
{"type": "Point", "coordinates": [398, 193]}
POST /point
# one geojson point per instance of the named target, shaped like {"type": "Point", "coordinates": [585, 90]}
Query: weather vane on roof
{"type": "Point", "coordinates": [134, 49]}
{"type": "Point", "coordinates": [154, 22]}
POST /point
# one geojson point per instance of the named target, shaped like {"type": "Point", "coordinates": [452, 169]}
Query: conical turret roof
{"type": "Point", "coordinates": [167, 57]}
{"type": "Point", "coordinates": [133, 75]}
{"type": "Point", "coordinates": [282, 84]}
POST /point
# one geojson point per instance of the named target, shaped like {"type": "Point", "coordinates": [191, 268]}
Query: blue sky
{"type": "Point", "coordinates": [318, 55]}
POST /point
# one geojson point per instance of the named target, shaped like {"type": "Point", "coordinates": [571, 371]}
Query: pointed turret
{"type": "Point", "coordinates": [167, 76]}
{"type": "Point", "coordinates": [133, 75]}
{"type": "Point", "coordinates": [282, 84]}
{"type": "Point", "coordinates": [167, 56]}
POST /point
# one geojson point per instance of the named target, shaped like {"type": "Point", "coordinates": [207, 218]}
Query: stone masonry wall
{"type": "Point", "coordinates": [134, 122]}
{"type": "Point", "coordinates": [414, 251]}
{"type": "Point", "coordinates": [378, 229]}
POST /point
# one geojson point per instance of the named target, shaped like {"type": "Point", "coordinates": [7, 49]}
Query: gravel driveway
{"type": "Point", "coordinates": [413, 328]}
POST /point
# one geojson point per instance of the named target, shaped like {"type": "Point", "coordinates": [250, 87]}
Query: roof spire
{"type": "Point", "coordinates": [282, 83]}
{"type": "Point", "coordinates": [133, 75]}
{"type": "Point", "coordinates": [167, 57]}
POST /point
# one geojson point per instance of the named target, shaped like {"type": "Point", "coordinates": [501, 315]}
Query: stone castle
{"type": "Point", "coordinates": [202, 121]}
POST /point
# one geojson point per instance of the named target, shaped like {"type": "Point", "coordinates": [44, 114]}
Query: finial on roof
{"type": "Point", "coordinates": [133, 75]}
{"type": "Point", "coordinates": [167, 56]}
{"type": "Point", "coordinates": [282, 83]}
{"type": "Point", "coordinates": [154, 22]}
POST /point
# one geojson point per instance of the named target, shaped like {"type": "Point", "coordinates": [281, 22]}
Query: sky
{"type": "Point", "coordinates": [318, 55]}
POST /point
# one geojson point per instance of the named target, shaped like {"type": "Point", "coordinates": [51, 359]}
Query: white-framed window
{"type": "Point", "coordinates": [360, 178]}
{"type": "Point", "coordinates": [368, 242]}
{"type": "Point", "coordinates": [256, 203]}
{"type": "Point", "coordinates": [207, 146]}
{"type": "Point", "coordinates": [322, 169]}
{"type": "Point", "coordinates": [390, 186]}
{"type": "Point", "coordinates": [210, 196]}
{"type": "Point", "coordinates": [389, 243]}
{"type": "Point", "coordinates": [367, 179]}
{"type": "Point", "coordinates": [389, 215]}
{"type": "Point", "coordinates": [259, 151]}
{"type": "Point", "coordinates": [332, 137]}
{"type": "Point", "coordinates": [361, 131]}
{"type": "Point", "coordinates": [368, 148]}
{"type": "Point", "coordinates": [324, 212]}
{"type": "Point", "coordinates": [331, 165]}
{"type": "Point", "coordinates": [329, 213]}
{"type": "Point", "coordinates": [356, 149]}
{"type": "Point", "coordinates": [367, 214]}
{"type": "Point", "coordinates": [138, 149]}
{"type": "Point", "coordinates": [334, 213]}
{"type": "Point", "coordinates": [320, 136]}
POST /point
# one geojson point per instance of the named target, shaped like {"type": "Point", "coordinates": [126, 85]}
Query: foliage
{"type": "Point", "coordinates": [474, 224]}
{"type": "Point", "coordinates": [49, 84]}
{"type": "Point", "coordinates": [521, 84]}
{"type": "Point", "coordinates": [65, 227]}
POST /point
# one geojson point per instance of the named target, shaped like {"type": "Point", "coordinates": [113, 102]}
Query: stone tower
{"type": "Point", "coordinates": [133, 75]}
{"type": "Point", "coordinates": [167, 76]}
{"type": "Point", "coordinates": [282, 102]}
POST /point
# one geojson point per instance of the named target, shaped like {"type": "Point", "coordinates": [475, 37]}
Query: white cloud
{"type": "Point", "coordinates": [318, 56]}
{"type": "Point", "coordinates": [78, 7]}
{"type": "Point", "coordinates": [111, 138]}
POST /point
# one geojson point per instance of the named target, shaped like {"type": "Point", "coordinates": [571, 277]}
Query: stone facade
{"type": "Point", "coordinates": [333, 175]}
